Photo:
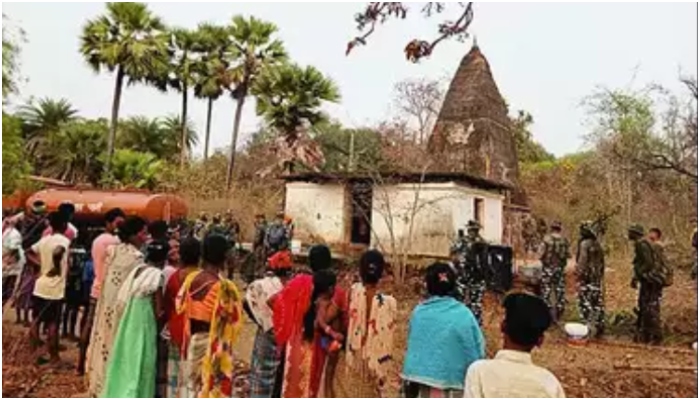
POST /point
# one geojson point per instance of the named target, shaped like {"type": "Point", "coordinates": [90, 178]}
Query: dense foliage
{"type": "Point", "coordinates": [14, 163]}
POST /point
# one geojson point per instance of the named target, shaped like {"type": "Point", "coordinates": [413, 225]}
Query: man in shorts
{"type": "Point", "coordinates": [51, 254]}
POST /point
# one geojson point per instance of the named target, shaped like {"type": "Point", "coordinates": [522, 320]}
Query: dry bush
{"type": "Point", "coordinates": [204, 186]}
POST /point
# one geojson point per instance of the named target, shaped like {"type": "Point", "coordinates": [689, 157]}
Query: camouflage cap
{"type": "Point", "coordinates": [556, 225]}
{"type": "Point", "coordinates": [636, 228]}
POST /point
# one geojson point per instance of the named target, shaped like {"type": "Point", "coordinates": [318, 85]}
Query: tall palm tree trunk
{"type": "Point", "coordinates": [118, 85]}
{"type": "Point", "coordinates": [183, 142]}
{"type": "Point", "coordinates": [234, 138]}
{"type": "Point", "coordinates": [210, 106]}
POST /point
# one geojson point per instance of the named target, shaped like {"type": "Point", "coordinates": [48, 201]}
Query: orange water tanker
{"type": "Point", "coordinates": [92, 203]}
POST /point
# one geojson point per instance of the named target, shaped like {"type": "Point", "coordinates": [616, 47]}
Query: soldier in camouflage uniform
{"type": "Point", "coordinates": [554, 256]}
{"type": "Point", "coordinates": [470, 254]}
{"type": "Point", "coordinates": [590, 268]}
{"type": "Point", "coordinates": [259, 250]}
{"type": "Point", "coordinates": [647, 276]}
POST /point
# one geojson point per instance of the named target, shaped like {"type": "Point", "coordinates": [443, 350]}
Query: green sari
{"type": "Point", "coordinates": [131, 369]}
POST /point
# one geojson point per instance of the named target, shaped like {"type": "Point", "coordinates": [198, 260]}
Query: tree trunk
{"type": "Point", "coordinates": [234, 138]}
{"type": "Point", "coordinates": [115, 118]}
{"type": "Point", "coordinates": [210, 106]}
{"type": "Point", "coordinates": [183, 139]}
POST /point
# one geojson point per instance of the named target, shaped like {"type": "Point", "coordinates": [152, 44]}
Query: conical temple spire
{"type": "Point", "coordinates": [473, 131]}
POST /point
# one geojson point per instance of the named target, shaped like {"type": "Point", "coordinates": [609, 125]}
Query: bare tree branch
{"type": "Point", "coordinates": [378, 13]}
{"type": "Point", "coordinates": [421, 100]}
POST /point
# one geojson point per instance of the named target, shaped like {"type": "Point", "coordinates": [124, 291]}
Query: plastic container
{"type": "Point", "coordinates": [577, 334]}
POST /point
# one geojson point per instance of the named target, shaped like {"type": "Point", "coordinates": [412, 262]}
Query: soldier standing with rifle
{"type": "Point", "coordinates": [555, 254]}
{"type": "Point", "coordinates": [590, 269]}
{"type": "Point", "coordinates": [470, 254]}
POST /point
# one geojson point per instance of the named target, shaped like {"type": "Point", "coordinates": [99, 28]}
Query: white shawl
{"type": "Point", "coordinates": [145, 284]}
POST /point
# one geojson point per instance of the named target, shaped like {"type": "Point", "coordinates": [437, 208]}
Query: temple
{"type": "Point", "coordinates": [473, 134]}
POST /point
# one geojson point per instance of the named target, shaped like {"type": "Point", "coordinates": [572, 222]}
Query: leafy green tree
{"type": "Point", "coordinates": [134, 169]}
{"type": "Point", "coordinates": [129, 41]}
{"type": "Point", "coordinates": [158, 136]}
{"type": "Point", "coordinates": [349, 150]}
{"type": "Point", "coordinates": [254, 50]}
{"type": "Point", "coordinates": [10, 54]}
{"type": "Point", "coordinates": [142, 134]}
{"type": "Point", "coordinates": [642, 131]}
{"type": "Point", "coordinates": [172, 132]}
{"type": "Point", "coordinates": [14, 162]}
{"type": "Point", "coordinates": [81, 144]}
{"type": "Point", "coordinates": [529, 150]}
{"type": "Point", "coordinates": [41, 119]}
{"type": "Point", "coordinates": [291, 96]}
{"type": "Point", "coordinates": [211, 71]}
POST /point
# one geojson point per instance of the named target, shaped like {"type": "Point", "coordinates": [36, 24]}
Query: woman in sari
{"type": "Point", "coordinates": [266, 359]}
{"type": "Point", "coordinates": [212, 316]}
{"type": "Point", "coordinates": [120, 261]}
{"type": "Point", "coordinates": [444, 339]}
{"type": "Point", "coordinates": [305, 358]}
{"type": "Point", "coordinates": [132, 367]}
{"type": "Point", "coordinates": [190, 253]}
{"type": "Point", "coordinates": [370, 335]}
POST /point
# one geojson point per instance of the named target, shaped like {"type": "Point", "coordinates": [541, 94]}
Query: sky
{"type": "Point", "coordinates": [545, 57]}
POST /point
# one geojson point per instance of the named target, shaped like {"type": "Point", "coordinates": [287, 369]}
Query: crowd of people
{"type": "Point", "coordinates": [159, 316]}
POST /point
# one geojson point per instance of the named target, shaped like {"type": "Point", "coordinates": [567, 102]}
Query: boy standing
{"type": "Point", "coordinates": [511, 374]}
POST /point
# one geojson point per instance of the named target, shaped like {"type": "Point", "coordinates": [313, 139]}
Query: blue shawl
{"type": "Point", "coordinates": [444, 339]}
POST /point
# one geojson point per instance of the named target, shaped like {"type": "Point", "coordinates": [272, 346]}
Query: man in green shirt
{"type": "Point", "coordinates": [648, 278]}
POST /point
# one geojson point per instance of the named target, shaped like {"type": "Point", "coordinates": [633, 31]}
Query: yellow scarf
{"type": "Point", "coordinates": [226, 320]}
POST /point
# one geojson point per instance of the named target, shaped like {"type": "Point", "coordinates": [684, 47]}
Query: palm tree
{"type": "Point", "coordinates": [171, 127]}
{"type": "Point", "coordinates": [158, 136]}
{"type": "Point", "coordinates": [290, 97]}
{"type": "Point", "coordinates": [142, 134]}
{"type": "Point", "coordinates": [80, 143]}
{"type": "Point", "coordinates": [256, 51]}
{"type": "Point", "coordinates": [211, 71]}
{"type": "Point", "coordinates": [135, 169]}
{"type": "Point", "coordinates": [184, 48]}
{"type": "Point", "coordinates": [42, 118]}
{"type": "Point", "coordinates": [129, 40]}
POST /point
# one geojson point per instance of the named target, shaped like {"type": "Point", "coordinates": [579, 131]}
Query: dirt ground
{"type": "Point", "coordinates": [612, 367]}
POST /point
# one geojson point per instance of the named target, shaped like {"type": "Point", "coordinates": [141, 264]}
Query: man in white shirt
{"type": "Point", "coordinates": [51, 253]}
{"type": "Point", "coordinates": [511, 374]}
{"type": "Point", "coordinates": [12, 260]}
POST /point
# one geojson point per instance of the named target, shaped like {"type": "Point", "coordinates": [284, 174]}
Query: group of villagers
{"type": "Point", "coordinates": [164, 322]}
{"type": "Point", "coordinates": [315, 339]}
